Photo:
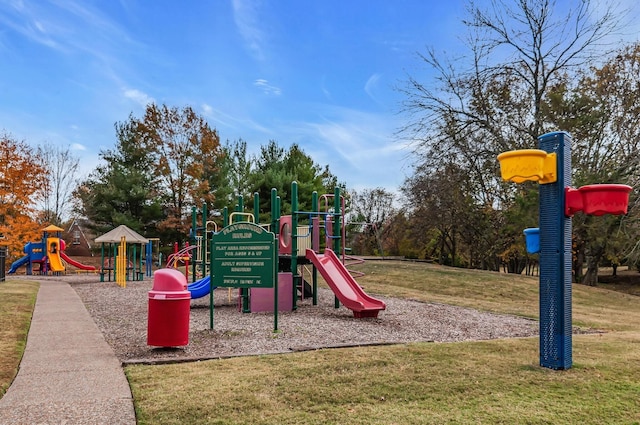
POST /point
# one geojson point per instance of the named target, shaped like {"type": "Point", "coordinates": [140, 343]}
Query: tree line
{"type": "Point", "coordinates": [530, 67]}
{"type": "Point", "coordinates": [163, 164]}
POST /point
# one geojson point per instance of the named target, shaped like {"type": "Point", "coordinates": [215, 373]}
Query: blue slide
{"type": "Point", "coordinates": [19, 263]}
{"type": "Point", "coordinates": [200, 288]}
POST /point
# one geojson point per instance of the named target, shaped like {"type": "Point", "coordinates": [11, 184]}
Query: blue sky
{"type": "Point", "coordinates": [320, 73]}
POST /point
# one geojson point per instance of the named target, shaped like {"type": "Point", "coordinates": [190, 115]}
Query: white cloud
{"type": "Point", "coordinates": [30, 22]}
{"type": "Point", "coordinates": [267, 88]}
{"type": "Point", "coordinates": [236, 124]}
{"type": "Point", "coordinates": [371, 85]}
{"type": "Point", "coordinates": [207, 109]}
{"type": "Point", "coordinates": [139, 97]}
{"type": "Point", "coordinates": [246, 18]}
{"type": "Point", "coordinates": [358, 146]}
{"type": "Point", "coordinates": [78, 147]}
{"type": "Point", "coordinates": [326, 92]}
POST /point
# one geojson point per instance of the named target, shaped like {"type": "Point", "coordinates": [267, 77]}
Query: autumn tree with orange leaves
{"type": "Point", "coordinates": [187, 154]}
{"type": "Point", "coordinates": [21, 178]}
{"type": "Point", "coordinates": [163, 164]}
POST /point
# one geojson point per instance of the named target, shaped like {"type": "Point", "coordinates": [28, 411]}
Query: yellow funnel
{"type": "Point", "coordinates": [528, 165]}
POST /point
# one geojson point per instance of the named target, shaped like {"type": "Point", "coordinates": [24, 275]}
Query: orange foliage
{"type": "Point", "coordinates": [188, 153]}
{"type": "Point", "coordinates": [21, 177]}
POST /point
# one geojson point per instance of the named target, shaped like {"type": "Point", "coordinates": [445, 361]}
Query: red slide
{"type": "Point", "coordinates": [344, 285]}
{"type": "Point", "coordinates": [74, 263]}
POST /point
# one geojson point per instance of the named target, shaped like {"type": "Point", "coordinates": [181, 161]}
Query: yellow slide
{"type": "Point", "coordinates": [53, 252]}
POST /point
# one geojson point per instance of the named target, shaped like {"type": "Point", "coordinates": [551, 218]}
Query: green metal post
{"type": "Point", "coordinates": [337, 229]}
{"type": "Point", "coordinates": [115, 253]}
{"type": "Point", "coordinates": [225, 216]}
{"type": "Point", "coordinates": [102, 262]}
{"type": "Point", "coordinates": [194, 224]}
{"type": "Point", "coordinates": [205, 215]}
{"type": "Point", "coordinates": [211, 253]}
{"type": "Point", "coordinates": [240, 205]}
{"type": "Point", "coordinates": [244, 292]}
{"type": "Point", "coordinates": [294, 241]}
{"type": "Point", "coordinates": [133, 260]}
{"type": "Point", "coordinates": [314, 270]}
{"type": "Point", "coordinates": [142, 250]}
{"type": "Point", "coordinates": [274, 228]}
{"type": "Point", "coordinates": [277, 223]}
{"type": "Point", "coordinates": [275, 212]}
{"type": "Point", "coordinates": [256, 207]}
{"type": "Point", "coordinates": [337, 233]}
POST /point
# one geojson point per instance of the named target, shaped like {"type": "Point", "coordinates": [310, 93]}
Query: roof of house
{"type": "Point", "coordinates": [75, 222]}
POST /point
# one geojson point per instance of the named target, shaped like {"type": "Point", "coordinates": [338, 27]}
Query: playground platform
{"type": "Point", "coordinates": [68, 374]}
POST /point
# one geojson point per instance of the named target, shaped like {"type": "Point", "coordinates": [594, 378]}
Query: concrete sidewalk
{"type": "Point", "coordinates": [68, 374]}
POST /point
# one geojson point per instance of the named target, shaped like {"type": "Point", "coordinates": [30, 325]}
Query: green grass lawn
{"type": "Point", "coordinates": [483, 382]}
{"type": "Point", "coordinates": [480, 382]}
{"type": "Point", "coordinates": [593, 307]}
{"type": "Point", "coordinates": [472, 382]}
{"type": "Point", "coordinates": [17, 299]}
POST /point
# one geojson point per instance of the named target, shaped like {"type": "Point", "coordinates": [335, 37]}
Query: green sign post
{"type": "Point", "coordinates": [243, 255]}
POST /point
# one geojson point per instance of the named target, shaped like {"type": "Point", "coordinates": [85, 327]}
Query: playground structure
{"type": "Point", "coordinates": [253, 257]}
{"type": "Point", "coordinates": [185, 256]}
{"type": "Point", "coordinates": [48, 254]}
{"type": "Point", "coordinates": [551, 167]}
{"type": "Point", "coordinates": [123, 255]}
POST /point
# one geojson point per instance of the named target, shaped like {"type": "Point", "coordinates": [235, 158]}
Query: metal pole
{"type": "Point", "coordinates": [294, 241]}
{"type": "Point", "coordinates": [205, 245]}
{"type": "Point", "coordinates": [211, 278]}
{"type": "Point", "coordinates": [275, 213]}
{"type": "Point", "coordinates": [194, 224]}
{"type": "Point", "coordinates": [275, 216]}
{"type": "Point", "coordinates": [315, 236]}
{"type": "Point", "coordinates": [256, 207]}
{"type": "Point", "coordinates": [244, 292]}
{"type": "Point", "coordinates": [555, 259]}
{"type": "Point", "coordinates": [337, 233]}
{"type": "Point", "coordinates": [102, 262]}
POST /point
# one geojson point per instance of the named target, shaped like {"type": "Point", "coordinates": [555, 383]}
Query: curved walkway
{"type": "Point", "coordinates": [68, 374]}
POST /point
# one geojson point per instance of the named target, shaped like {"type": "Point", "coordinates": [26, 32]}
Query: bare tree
{"type": "Point", "coordinates": [371, 209]}
{"type": "Point", "coordinates": [602, 110]}
{"type": "Point", "coordinates": [61, 167]}
{"type": "Point", "coordinates": [521, 41]}
{"type": "Point", "coordinates": [542, 40]}
{"type": "Point", "coordinates": [493, 99]}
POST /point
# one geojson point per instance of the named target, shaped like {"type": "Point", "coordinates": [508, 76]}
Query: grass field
{"type": "Point", "coordinates": [473, 382]}
{"type": "Point", "coordinates": [17, 299]}
{"type": "Point", "coordinates": [483, 382]}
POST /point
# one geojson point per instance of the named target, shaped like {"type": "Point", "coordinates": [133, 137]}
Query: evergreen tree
{"type": "Point", "coordinates": [123, 190]}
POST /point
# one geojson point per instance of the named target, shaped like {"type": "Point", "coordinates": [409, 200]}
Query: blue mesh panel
{"type": "Point", "coordinates": [555, 259]}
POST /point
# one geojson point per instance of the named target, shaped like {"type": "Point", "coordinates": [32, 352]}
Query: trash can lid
{"type": "Point", "coordinates": [169, 280]}
{"type": "Point", "coordinates": [169, 295]}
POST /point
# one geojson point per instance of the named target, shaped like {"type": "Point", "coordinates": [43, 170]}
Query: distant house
{"type": "Point", "coordinates": [77, 243]}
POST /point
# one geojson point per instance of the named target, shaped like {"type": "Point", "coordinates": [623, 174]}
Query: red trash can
{"type": "Point", "coordinates": [169, 309]}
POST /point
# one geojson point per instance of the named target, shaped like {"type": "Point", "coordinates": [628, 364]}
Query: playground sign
{"type": "Point", "coordinates": [243, 256]}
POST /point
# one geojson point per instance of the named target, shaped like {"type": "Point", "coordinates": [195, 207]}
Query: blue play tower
{"type": "Point", "coordinates": [551, 167]}
{"type": "Point", "coordinates": [555, 258]}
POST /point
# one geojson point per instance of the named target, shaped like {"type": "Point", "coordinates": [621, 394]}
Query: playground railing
{"type": "Point", "coordinates": [304, 240]}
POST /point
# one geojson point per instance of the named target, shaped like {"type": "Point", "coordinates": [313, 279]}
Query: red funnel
{"type": "Point", "coordinates": [600, 199]}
